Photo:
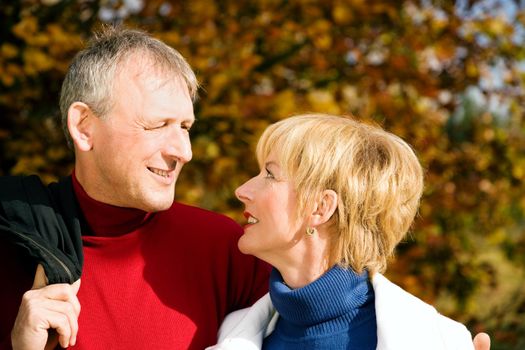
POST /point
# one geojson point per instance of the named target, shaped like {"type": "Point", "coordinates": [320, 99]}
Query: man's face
{"type": "Point", "coordinates": [142, 144]}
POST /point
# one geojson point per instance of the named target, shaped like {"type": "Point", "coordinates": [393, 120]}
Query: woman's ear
{"type": "Point", "coordinates": [324, 208]}
{"type": "Point", "coordinates": [80, 125]}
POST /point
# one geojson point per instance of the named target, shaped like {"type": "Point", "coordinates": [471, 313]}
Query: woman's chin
{"type": "Point", "coordinates": [248, 246]}
{"type": "Point", "coordinates": [245, 246]}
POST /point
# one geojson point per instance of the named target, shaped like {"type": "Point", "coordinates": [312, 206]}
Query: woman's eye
{"type": "Point", "coordinates": [269, 174]}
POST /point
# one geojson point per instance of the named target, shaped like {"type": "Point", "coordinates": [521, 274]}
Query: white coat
{"type": "Point", "coordinates": [404, 322]}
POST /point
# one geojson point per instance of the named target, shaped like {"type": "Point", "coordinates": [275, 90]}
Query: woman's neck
{"type": "Point", "coordinates": [303, 263]}
{"type": "Point", "coordinates": [302, 275]}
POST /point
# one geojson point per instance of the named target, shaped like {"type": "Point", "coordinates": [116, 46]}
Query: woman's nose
{"type": "Point", "coordinates": [243, 192]}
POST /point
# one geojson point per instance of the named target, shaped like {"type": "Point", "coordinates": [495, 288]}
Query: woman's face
{"type": "Point", "coordinates": [270, 209]}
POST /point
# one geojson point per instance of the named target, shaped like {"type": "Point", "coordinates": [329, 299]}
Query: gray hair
{"type": "Point", "coordinates": [92, 73]}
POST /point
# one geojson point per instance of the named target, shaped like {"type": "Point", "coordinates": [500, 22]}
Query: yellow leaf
{"type": "Point", "coordinates": [342, 13]}
{"type": "Point", "coordinates": [217, 84]}
{"type": "Point", "coordinates": [26, 28]}
{"type": "Point", "coordinates": [8, 50]}
{"type": "Point", "coordinates": [212, 150]}
{"type": "Point", "coordinates": [7, 80]}
{"type": "Point", "coordinates": [284, 104]}
{"type": "Point", "coordinates": [323, 42]}
{"type": "Point", "coordinates": [323, 101]}
{"type": "Point", "coordinates": [495, 26]}
{"type": "Point", "coordinates": [518, 170]}
{"type": "Point", "coordinates": [14, 69]}
{"type": "Point", "coordinates": [62, 41]}
{"type": "Point", "coordinates": [40, 39]}
{"type": "Point", "coordinates": [36, 61]}
{"type": "Point", "coordinates": [472, 69]}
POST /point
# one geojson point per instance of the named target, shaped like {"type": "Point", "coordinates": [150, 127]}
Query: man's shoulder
{"type": "Point", "coordinates": [181, 208]}
{"type": "Point", "coordinates": [197, 216]}
{"type": "Point", "coordinates": [23, 197]}
{"type": "Point", "coordinates": [31, 188]}
{"type": "Point", "coordinates": [17, 187]}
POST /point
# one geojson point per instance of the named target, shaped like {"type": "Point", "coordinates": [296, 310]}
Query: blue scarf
{"type": "Point", "coordinates": [334, 312]}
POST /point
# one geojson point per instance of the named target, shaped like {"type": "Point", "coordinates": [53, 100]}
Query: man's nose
{"type": "Point", "coordinates": [178, 145]}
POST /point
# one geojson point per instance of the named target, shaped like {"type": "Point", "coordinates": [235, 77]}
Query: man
{"type": "Point", "coordinates": [156, 274]}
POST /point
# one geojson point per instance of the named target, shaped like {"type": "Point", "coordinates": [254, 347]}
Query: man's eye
{"type": "Point", "coordinates": [156, 127]}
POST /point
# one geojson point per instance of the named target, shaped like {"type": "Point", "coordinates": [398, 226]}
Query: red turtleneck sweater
{"type": "Point", "coordinates": [158, 280]}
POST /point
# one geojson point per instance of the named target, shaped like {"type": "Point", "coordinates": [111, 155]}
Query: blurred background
{"type": "Point", "coordinates": [447, 76]}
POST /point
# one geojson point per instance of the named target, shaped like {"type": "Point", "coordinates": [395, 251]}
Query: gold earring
{"type": "Point", "coordinates": [310, 231]}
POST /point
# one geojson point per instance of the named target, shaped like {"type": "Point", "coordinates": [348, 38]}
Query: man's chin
{"type": "Point", "coordinates": [158, 204]}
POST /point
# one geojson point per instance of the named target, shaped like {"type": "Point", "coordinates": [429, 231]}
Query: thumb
{"type": "Point", "coordinates": [76, 286]}
{"type": "Point", "coordinates": [482, 341]}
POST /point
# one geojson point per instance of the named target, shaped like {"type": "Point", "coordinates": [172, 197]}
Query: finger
{"type": "Point", "coordinates": [60, 291]}
{"type": "Point", "coordinates": [61, 324]}
{"type": "Point", "coordinates": [65, 322]}
{"type": "Point", "coordinates": [58, 298]}
{"type": "Point", "coordinates": [68, 310]}
{"type": "Point", "coordinates": [482, 341]}
{"type": "Point", "coordinates": [49, 313]}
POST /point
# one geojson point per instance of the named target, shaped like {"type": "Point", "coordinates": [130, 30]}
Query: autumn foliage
{"type": "Point", "coordinates": [446, 77]}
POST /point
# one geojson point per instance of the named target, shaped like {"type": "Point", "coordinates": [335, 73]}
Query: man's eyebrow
{"type": "Point", "coordinates": [193, 118]}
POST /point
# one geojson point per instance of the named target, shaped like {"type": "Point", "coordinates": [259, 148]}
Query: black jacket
{"type": "Point", "coordinates": [46, 222]}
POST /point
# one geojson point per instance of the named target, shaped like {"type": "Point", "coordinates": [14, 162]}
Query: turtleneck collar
{"type": "Point", "coordinates": [105, 219]}
{"type": "Point", "coordinates": [339, 293]}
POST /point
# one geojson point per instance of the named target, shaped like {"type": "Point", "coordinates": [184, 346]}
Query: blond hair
{"type": "Point", "coordinates": [377, 176]}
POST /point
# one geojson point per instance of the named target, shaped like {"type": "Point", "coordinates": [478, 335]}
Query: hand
{"type": "Point", "coordinates": [48, 315]}
{"type": "Point", "coordinates": [482, 341]}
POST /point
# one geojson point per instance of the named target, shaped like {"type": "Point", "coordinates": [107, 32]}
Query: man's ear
{"type": "Point", "coordinates": [324, 208]}
{"type": "Point", "coordinates": [80, 125]}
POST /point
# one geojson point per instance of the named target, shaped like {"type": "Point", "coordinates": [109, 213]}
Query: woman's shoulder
{"type": "Point", "coordinates": [406, 322]}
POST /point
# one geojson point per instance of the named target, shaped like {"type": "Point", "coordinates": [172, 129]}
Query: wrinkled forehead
{"type": "Point", "coordinates": [148, 74]}
{"type": "Point", "coordinates": [142, 65]}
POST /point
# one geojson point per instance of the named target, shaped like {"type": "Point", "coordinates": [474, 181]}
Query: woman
{"type": "Point", "coordinates": [333, 199]}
